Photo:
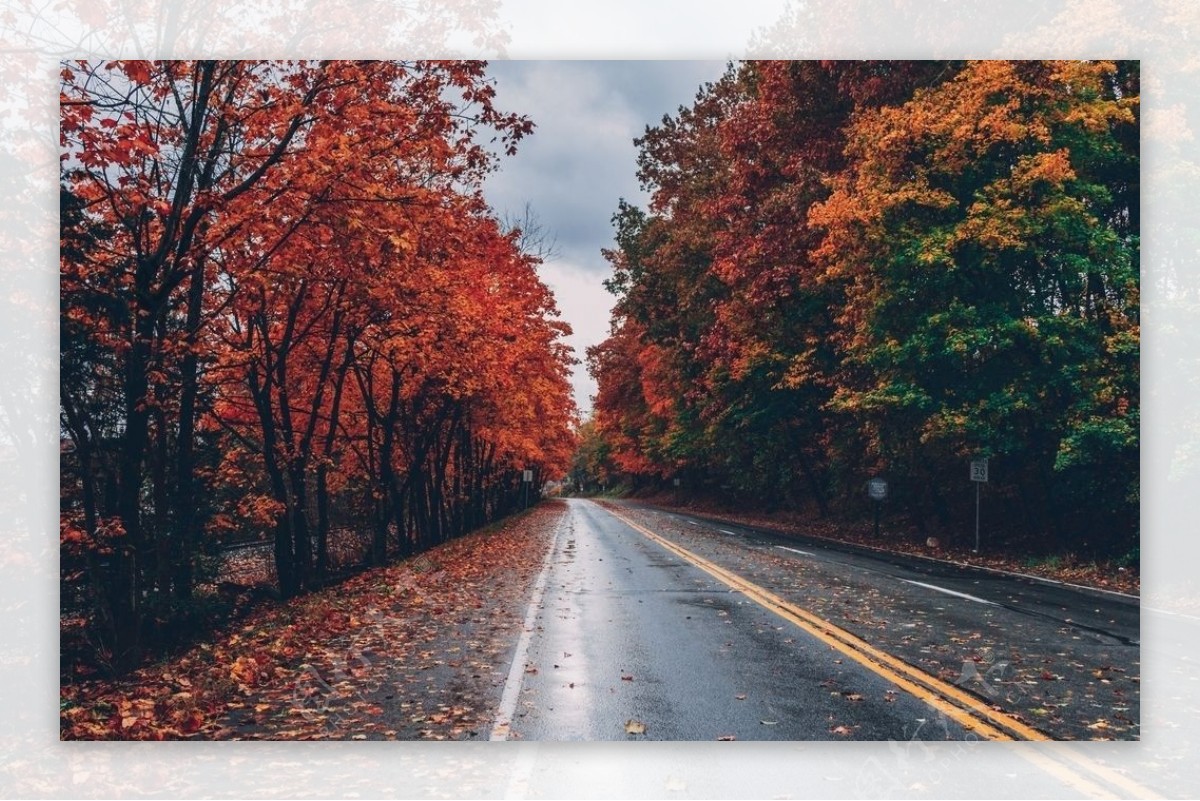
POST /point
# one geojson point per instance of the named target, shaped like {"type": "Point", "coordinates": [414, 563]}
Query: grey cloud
{"type": "Point", "coordinates": [581, 159]}
{"type": "Point", "coordinates": [579, 162]}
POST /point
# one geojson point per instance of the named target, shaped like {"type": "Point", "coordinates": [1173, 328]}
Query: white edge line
{"type": "Point", "coordinates": [727, 531]}
{"type": "Point", "coordinates": [793, 550]}
{"type": "Point", "coordinates": [516, 672]}
{"type": "Point", "coordinates": [985, 568]}
{"type": "Point", "coordinates": [1032, 577]}
{"type": "Point", "coordinates": [951, 592]}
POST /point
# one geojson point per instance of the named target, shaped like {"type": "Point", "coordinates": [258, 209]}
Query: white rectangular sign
{"type": "Point", "coordinates": [979, 470]}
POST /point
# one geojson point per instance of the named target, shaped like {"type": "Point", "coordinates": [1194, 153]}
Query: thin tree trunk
{"type": "Point", "coordinates": [284, 556]}
{"type": "Point", "coordinates": [186, 523]}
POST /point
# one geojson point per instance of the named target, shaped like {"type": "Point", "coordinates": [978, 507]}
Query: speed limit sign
{"type": "Point", "coordinates": [979, 470]}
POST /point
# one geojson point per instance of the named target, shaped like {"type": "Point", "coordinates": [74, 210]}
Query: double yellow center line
{"type": "Point", "coordinates": [970, 712]}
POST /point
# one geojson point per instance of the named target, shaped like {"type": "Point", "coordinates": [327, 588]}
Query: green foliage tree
{"type": "Point", "coordinates": [985, 242]}
{"type": "Point", "coordinates": [854, 267]}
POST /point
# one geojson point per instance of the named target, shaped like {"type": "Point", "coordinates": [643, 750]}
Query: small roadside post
{"type": "Point", "coordinates": [527, 479]}
{"type": "Point", "coordinates": [979, 475]}
{"type": "Point", "coordinates": [877, 490]}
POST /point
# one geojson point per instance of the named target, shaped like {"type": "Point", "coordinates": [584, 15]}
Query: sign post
{"type": "Point", "coordinates": [979, 475]}
{"type": "Point", "coordinates": [877, 490]}
{"type": "Point", "coordinates": [526, 480]}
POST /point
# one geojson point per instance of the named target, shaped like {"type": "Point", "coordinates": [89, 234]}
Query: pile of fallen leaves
{"type": "Point", "coordinates": [345, 645]}
{"type": "Point", "coordinates": [1066, 568]}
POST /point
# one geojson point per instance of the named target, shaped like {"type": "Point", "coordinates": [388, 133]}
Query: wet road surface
{"type": "Point", "coordinates": [1066, 660]}
{"type": "Point", "coordinates": [649, 625]}
{"type": "Point", "coordinates": [630, 641]}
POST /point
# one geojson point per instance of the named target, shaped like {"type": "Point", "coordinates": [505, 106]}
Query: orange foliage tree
{"type": "Point", "coordinates": [854, 268]}
{"type": "Point", "coordinates": [240, 241]}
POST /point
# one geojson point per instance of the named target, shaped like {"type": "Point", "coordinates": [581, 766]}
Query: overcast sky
{"type": "Point", "coordinates": [579, 162]}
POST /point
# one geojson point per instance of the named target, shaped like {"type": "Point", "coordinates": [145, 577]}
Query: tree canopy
{"type": "Point", "coordinates": [851, 269]}
{"type": "Point", "coordinates": [285, 303]}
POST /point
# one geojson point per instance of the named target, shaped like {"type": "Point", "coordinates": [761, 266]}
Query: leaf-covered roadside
{"type": "Point", "coordinates": [1088, 573]}
{"type": "Point", "coordinates": [411, 651]}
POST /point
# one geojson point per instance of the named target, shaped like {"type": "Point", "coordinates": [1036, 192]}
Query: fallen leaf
{"type": "Point", "coordinates": [726, 737]}
{"type": "Point", "coordinates": [192, 723]}
{"type": "Point", "coordinates": [634, 727]}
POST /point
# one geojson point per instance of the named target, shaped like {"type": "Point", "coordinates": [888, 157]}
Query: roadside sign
{"type": "Point", "coordinates": [979, 474]}
{"type": "Point", "coordinates": [528, 476]}
{"type": "Point", "coordinates": [979, 470]}
{"type": "Point", "coordinates": [877, 489]}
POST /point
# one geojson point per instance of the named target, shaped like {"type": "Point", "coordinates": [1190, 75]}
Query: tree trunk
{"type": "Point", "coordinates": [285, 570]}
{"type": "Point", "coordinates": [125, 594]}
{"type": "Point", "coordinates": [186, 525]}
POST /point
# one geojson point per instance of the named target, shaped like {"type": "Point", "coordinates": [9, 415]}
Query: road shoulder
{"type": "Point", "coordinates": [413, 651]}
{"type": "Point", "coordinates": [1083, 575]}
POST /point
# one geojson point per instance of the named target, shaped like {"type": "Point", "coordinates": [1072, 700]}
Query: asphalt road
{"type": "Point", "coordinates": [632, 642]}
{"type": "Point", "coordinates": [1065, 660]}
{"type": "Point", "coordinates": [629, 640]}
